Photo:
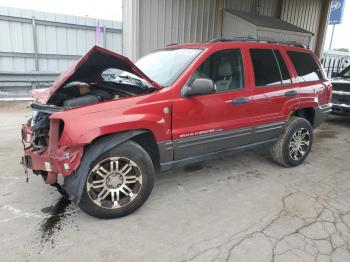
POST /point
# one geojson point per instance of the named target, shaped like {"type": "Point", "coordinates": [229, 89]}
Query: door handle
{"type": "Point", "coordinates": [291, 93]}
{"type": "Point", "coordinates": [239, 101]}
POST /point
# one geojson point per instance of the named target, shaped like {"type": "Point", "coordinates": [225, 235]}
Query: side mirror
{"type": "Point", "coordinates": [335, 74]}
{"type": "Point", "coordinates": [200, 86]}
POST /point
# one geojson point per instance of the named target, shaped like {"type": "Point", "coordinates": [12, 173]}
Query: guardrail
{"type": "Point", "coordinates": [27, 77]}
{"type": "Point", "coordinates": [14, 86]}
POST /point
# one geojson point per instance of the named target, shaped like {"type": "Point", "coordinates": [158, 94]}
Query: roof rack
{"type": "Point", "coordinates": [252, 39]}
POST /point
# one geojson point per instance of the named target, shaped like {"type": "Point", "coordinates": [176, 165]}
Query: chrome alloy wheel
{"type": "Point", "coordinates": [114, 182]}
{"type": "Point", "coordinates": [299, 144]}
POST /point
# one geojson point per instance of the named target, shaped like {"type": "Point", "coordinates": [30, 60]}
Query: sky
{"type": "Point", "coordinates": [112, 10]}
{"type": "Point", "coordinates": [341, 36]}
{"type": "Point", "coordinates": [103, 9]}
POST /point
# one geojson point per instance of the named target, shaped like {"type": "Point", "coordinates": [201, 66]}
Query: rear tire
{"type": "Point", "coordinates": [119, 182]}
{"type": "Point", "coordinates": [294, 144]}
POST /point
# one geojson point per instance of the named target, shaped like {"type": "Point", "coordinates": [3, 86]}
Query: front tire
{"type": "Point", "coordinates": [294, 144]}
{"type": "Point", "coordinates": [119, 182]}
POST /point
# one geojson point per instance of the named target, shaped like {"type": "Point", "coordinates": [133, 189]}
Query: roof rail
{"type": "Point", "coordinates": [233, 38]}
{"type": "Point", "coordinates": [252, 39]}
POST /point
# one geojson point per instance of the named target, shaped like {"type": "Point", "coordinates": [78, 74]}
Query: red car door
{"type": "Point", "coordinates": [214, 122]}
{"type": "Point", "coordinates": [274, 95]}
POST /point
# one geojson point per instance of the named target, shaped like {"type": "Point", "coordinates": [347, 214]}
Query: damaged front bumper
{"type": "Point", "coordinates": [53, 160]}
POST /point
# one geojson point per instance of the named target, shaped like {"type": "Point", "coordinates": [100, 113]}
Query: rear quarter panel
{"type": "Point", "coordinates": [312, 93]}
{"type": "Point", "coordinates": [270, 102]}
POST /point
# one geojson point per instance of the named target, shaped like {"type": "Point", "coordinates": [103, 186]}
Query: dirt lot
{"type": "Point", "coordinates": [239, 208]}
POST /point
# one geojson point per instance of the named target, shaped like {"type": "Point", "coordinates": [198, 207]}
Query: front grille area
{"type": "Point", "coordinates": [341, 87]}
{"type": "Point", "coordinates": [341, 99]}
{"type": "Point", "coordinates": [40, 126]}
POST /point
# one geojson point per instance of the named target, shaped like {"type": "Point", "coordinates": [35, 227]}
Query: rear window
{"type": "Point", "coordinates": [265, 67]}
{"type": "Point", "coordinates": [306, 66]}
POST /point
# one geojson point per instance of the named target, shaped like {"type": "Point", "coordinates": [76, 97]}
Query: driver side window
{"type": "Point", "coordinates": [225, 68]}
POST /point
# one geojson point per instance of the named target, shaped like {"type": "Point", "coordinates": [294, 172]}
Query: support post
{"type": "Point", "coordinates": [131, 28]}
{"type": "Point", "coordinates": [104, 37]}
{"type": "Point", "coordinates": [331, 42]}
{"type": "Point", "coordinates": [219, 11]}
{"type": "Point", "coordinates": [323, 22]}
{"type": "Point", "coordinates": [35, 45]}
{"type": "Point", "coordinates": [36, 56]}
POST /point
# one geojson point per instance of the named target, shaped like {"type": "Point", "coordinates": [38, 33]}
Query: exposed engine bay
{"type": "Point", "coordinates": [81, 93]}
{"type": "Point", "coordinates": [76, 94]}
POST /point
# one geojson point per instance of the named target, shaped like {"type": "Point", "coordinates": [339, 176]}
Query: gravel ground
{"type": "Point", "coordinates": [239, 208]}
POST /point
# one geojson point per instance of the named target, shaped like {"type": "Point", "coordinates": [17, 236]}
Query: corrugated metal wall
{"type": "Point", "coordinates": [303, 13]}
{"type": "Point", "coordinates": [163, 22]}
{"type": "Point", "coordinates": [61, 39]}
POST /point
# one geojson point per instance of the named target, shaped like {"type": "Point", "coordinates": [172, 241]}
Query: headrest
{"type": "Point", "coordinates": [225, 69]}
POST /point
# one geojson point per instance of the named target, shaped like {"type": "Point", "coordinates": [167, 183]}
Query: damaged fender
{"type": "Point", "coordinates": [74, 184]}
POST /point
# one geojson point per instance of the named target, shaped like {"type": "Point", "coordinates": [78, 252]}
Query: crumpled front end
{"type": "Point", "coordinates": [42, 152]}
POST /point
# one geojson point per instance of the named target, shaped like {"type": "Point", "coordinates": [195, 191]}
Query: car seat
{"type": "Point", "coordinates": [224, 76]}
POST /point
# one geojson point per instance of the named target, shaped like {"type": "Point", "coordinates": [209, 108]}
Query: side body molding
{"type": "Point", "coordinates": [210, 146]}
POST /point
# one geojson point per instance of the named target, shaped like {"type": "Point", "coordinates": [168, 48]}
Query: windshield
{"type": "Point", "coordinates": [165, 66]}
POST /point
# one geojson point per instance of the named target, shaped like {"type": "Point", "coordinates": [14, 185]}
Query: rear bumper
{"type": "Point", "coordinates": [53, 160]}
{"type": "Point", "coordinates": [341, 109]}
{"type": "Point", "coordinates": [321, 113]}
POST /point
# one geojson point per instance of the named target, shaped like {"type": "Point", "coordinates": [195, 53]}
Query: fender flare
{"type": "Point", "coordinates": [74, 184]}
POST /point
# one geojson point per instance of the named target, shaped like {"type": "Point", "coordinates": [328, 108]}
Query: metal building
{"type": "Point", "coordinates": [40, 41]}
{"type": "Point", "coordinates": [36, 46]}
{"type": "Point", "coordinates": [152, 24]}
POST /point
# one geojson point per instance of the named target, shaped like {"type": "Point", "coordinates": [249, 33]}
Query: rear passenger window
{"type": "Point", "coordinates": [283, 67]}
{"type": "Point", "coordinates": [306, 66]}
{"type": "Point", "coordinates": [265, 67]}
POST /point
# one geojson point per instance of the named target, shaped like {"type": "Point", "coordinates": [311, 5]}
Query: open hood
{"type": "Point", "coordinates": [89, 68]}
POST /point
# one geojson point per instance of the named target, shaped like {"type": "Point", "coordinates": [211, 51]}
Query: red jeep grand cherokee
{"type": "Point", "coordinates": [107, 132]}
